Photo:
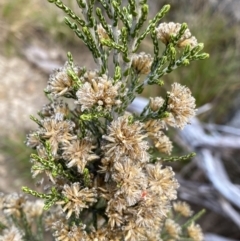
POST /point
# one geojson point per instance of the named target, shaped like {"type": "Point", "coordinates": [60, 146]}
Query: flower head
{"type": "Point", "coordinates": [33, 209]}
{"type": "Point", "coordinates": [182, 208]}
{"type": "Point", "coordinates": [13, 203]}
{"type": "Point", "coordinates": [57, 110]}
{"type": "Point", "coordinates": [56, 132]}
{"type": "Point", "coordinates": [172, 228]}
{"type": "Point", "coordinates": [162, 181]}
{"type": "Point", "coordinates": [78, 153]}
{"type": "Point", "coordinates": [154, 130]}
{"type": "Point", "coordinates": [134, 232]}
{"type": "Point", "coordinates": [181, 105]}
{"type": "Point", "coordinates": [60, 82]}
{"type": "Point", "coordinates": [142, 63]}
{"type": "Point", "coordinates": [98, 92]}
{"type": "Point", "coordinates": [53, 217]}
{"type": "Point", "coordinates": [65, 232]}
{"type": "Point", "coordinates": [156, 103]}
{"type": "Point", "coordinates": [162, 143]}
{"type": "Point", "coordinates": [33, 140]}
{"type": "Point", "coordinates": [104, 234]}
{"type": "Point", "coordinates": [130, 179]}
{"type": "Point", "coordinates": [11, 234]}
{"type": "Point", "coordinates": [165, 30]}
{"type": "Point", "coordinates": [195, 232]}
{"type": "Point", "coordinates": [78, 198]}
{"type": "Point", "coordinates": [126, 139]}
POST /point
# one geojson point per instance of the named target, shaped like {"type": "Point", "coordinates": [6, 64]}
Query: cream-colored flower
{"type": "Point", "coordinates": [156, 103]}
{"type": "Point", "coordinates": [78, 198]}
{"type": "Point", "coordinates": [60, 82]}
{"type": "Point", "coordinates": [33, 209]}
{"type": "Point", "coordinates": [89, 75]}
{"type": "Point", "coordinates": [133, 232]}
{"type": "Point", "coordinates": [165, 30]}
{"type": "Point", "coordinates": [152, 210]}
{"type": "Point", "coordinates": [130, 180]}
{"type": "Point", "coordinates": [182, 208]}
{"type": "Point", "coordinates": [142, 63]}
{"type": "Point", "coordinates": [65, 232]}
{"type": "Point", "coordinates": [172, 228]}
{"type": "Point", "coordinates": [118, 203]}
{"type": "Point", "coordinates": [192, 41]}
{"type": "Point", "coordinates": [154, 126]}
{"type": "Point", "coordinates": [78, 153]}
{"type": "Point", "coordinates": [33, 140]}
{"type": "Point", "coordinates": [13, 203]}
{"type": "Point", "coordinates": [54, 216]}
{"type": "Point", "coordinates": [195, 232]}
{"type": "Point", "coordinates": [162, 181]}
{"type": "Point", "coordinates": [126, 139]}
{"type": "Point", "coordinates": [181, 105]}
{"type": "Point", "coordinates": [57, 132]}
{"type": "Point", "coordinates": [162, 143]}
{"type": "Point", "coordinates": [160, 140]}
{"type": "Point", "coordinates": [106, 167]}
{"type": "Point", "coordinates": [105, 234]}
{"type": "Point", "coordinates": [57, 110]}
{"type": "Point", "coordinates": [98, 92]}
{"type": "Point", "coordinates": [115, 219]}
{"type": "Point", "coordinates": [11, 234]}
{"type": "Point", "coordinates": [146, 218]}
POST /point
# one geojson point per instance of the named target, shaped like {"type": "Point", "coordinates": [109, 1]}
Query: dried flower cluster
{"type": "Point", "coordinates": [174, 227]}
{"type": "Point", "coordinates": [101, 167]}
{"type": "Point", "coordinates": [167, 30]}
{"type": "Point", "coordinates": [18, 217]}
{"type": "Point", "coordinates": [142, 63]}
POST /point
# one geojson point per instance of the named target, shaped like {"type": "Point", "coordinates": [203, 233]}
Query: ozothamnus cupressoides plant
{"type": "Point", "coordinates": [101, 177]}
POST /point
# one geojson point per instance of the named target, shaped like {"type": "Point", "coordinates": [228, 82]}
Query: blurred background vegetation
{"type": "Point", "coordinates": [27, 23]}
